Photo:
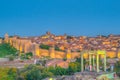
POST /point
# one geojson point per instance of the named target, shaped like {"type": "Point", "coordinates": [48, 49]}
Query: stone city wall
{"type": "Point", "coordinates": [25, 45]}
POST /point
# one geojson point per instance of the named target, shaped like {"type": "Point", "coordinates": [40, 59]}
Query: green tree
{"type": "Point", "coordinates": [11, 58]}
{"type": "Point", "coordinates": [22, 56]}
{"type": "Point", "coordinates": [58, 49]}
{"type": "Point", "coordinates": [117, 67]}
{"type": "Point", "coordinates": [73, 67]}
{"type": "Point", "coordinates": [7, 49]}
{"type": "Point", "coordinates": [8, 73]}
{"type": "Point", "coordinates": [29, 55]}
{"type": "Point", "coordinates": [43, 46]}
{"type": "Point", "coordinates": [60, 71]}
{"type": "Point", "coordinates": [57, 70]}
{"type": "Point", "coordinates": [34, 72]}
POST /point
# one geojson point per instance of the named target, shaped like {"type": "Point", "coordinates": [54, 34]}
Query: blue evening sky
{"type": "Point", "coordinates": [73, 17]}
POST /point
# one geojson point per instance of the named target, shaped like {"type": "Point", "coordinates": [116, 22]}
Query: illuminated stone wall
{"type": "Point", "coordinates": [44, 52]}
{"type": "Point", "coordinates": [52, 52]}
{"type": "Point", "coordinates": [25, 45]}
{"type": "Point", "coordinates": [118, 55]}
{"type": "Point", "coordinates": [111, 54]}
{"type": "Point", "coordinates": [21, 44]}
{"type": "Point", "coordinates": [59, 54]}
{"type": "Point", "coordinates": [37, 50]}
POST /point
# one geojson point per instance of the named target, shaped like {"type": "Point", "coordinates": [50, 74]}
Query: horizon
{"type": "Point", "coordinates": [58, 35]}
{"type": "Point", "coordinates": [77, 18]}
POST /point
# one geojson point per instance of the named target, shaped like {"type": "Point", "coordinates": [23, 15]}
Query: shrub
{"type": "Point", "coordinates": [11, 58]}
{"type": "Point", "coordinates": [7, 49]}
{"type": "Point", "coordinates": [22, 56]}
{"type": "Point", "coordinates": [64, 59]}
{"type": "Point", "coordinates": [29, 55]}
{"type": "Point", "coordinates": [43, 46]}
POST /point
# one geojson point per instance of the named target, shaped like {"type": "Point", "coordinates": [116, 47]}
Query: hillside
{"type": "Point", "coordinates": [6, 49]}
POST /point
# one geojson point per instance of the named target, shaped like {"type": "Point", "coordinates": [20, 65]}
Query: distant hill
{"type": "Point", "coordinates": [6, 49]}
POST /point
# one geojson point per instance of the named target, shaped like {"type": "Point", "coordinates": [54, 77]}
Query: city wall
{"type": "Point", "coordinates": [25, 45]}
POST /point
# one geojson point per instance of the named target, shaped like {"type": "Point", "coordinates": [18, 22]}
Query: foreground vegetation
{"type": "Point", "coordinates": [6, 49]}
{"type": "Point", "coordinates": [8, 73]}
{"type": "Point", "coordinates": [37, 72]}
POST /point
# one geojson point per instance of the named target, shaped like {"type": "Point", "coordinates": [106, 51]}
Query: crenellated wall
{"type": "Point", "coordinates": [59, 54]}
{"type": "Point", "coordinates": [44, 52]}
{"type": "Point", "coordinates": [25, 45]}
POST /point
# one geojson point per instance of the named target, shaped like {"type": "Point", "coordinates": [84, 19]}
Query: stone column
{"type": "Point", "coordinates": [82, 63]}
{"type": "Point", "coordinates": [90, 61]}
{"type": "Point", "coordinates": [105, 62]}
{"type": "Point", "coordinates": [94, 62]}
{"type": "Point", "coordinates": [97, 60]}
